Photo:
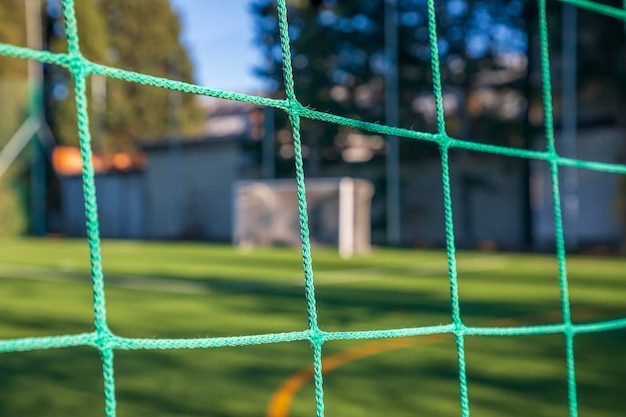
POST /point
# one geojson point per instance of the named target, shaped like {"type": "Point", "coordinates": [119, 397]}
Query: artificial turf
{"type": "Point", "coordinates": [187, 290]}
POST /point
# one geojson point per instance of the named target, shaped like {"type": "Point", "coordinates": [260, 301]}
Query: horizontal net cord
{"type": "Point", "coordinates": [63, 59]}
{"type": "Point", "coordinates": [123, 343]}
{"type": "Point", "coordinates": [116, 73]}
{"type": "Point", "coordinates": [106, 342]}
{"type": "Point", "coordinates": [48, 342]}
{"type": "Point", "coordinates": [72, 61]}
{"type": "Point", "coordinates": [600, 8]}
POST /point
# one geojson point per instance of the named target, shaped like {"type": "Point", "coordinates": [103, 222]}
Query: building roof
{"type": "Point", "coordinates": [67, 160]}
{"type": "Point", "coordinates": [206, 141]}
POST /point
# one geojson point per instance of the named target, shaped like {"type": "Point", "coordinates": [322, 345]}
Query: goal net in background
{"type": "Point", "coordinates": [106, 342]}
{"type": "Point", "coordinates": [266, 213]}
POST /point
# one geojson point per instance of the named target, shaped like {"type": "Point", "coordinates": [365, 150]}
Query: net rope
{"type": "Point", "coordinates": [107, 342]}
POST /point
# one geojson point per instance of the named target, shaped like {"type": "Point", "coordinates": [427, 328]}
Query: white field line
{"type": "Point", "coordinates": [40, 273]}
{"type": "Point", "coordinates": [474, 264]}
{"type": "Point", "coordinates": [172, 285]}
{"type": "Point", "coordinates": [345, 276]}
{"type": "Point", "coordinates": [186, 286]}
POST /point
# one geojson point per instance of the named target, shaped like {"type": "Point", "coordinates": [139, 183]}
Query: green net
{"type": "Point", "coordinates": [106, 342]}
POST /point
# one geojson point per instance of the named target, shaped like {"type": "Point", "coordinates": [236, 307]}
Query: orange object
{"type": "Point", "coordinates": [68, 161]}
{"type": "Point", "coordinates": [122, 161]}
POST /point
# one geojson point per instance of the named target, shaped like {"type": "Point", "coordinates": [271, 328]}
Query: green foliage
{"type": "Point", "coordinates": [13, 71]}
{"type": "Point", "coordinates": [12, 213]}
{"type": "Point", "coordinates": [13, 108]}
{"type": "Point", "coordinates": [340, 62]}
{"type": "Point", "coordinates": [118, 33]}
{"type": "Point", "coordinates": [61, 105]}
{"type": "Point", "coordinates": [12, 30]}
{"type": "Point", "coordinates": [13, 105]}
{"type": "Point", "coordinates": [92, 30]}
{"type": "Point", "coordinates": [153, 48]}
{"type": "Point", "coordinates": [602, 58]}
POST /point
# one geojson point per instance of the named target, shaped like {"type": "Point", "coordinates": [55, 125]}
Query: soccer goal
{"type": "Point", "coordinates": [266, 213]}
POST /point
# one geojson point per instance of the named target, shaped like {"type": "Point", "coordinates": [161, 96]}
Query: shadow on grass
{"type": "Point", "coordinates": [51, 383]}
{"type": "Point", "coordinates": [518, 376]}
{"type": "Point", "coordinates": [507, 376]}
{"type": "Point", "coordinates": [515, 376]}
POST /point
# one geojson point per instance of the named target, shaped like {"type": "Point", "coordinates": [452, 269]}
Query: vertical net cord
{"type": "Point", "coordinates": [309, 289]}
{"type": "Point", "coordinates": [459, 328]}
{"type": "Point", "coordinates": [80, 72]}
{"type": "Point", "coordinates": [106, 342]}
{"type": "Point", "coordinates": [558, 220]}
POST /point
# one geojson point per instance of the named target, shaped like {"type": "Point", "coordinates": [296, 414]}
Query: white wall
{"type": "Point", "coordinates": [120, 206]}
{"type": "Point", "coordinates": [596, 191]}
{"type": "Point", "coordinates": [495, 209]}
{"type": "Point", "coordinates": [189, 191]}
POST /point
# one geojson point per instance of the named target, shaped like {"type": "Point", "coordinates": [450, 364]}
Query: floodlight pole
{"type": "Point", "coordinates": [99, 103]}
{"type": "Point", "coordinates": [175, 148]}
{"type": "Point", "coordinates": [33, 38]}
{"type": "Point", "coordinates": [569, 121]}
{"type": "Point", "coordinates": [32, 10]}
{"type": "Point", "coordinates": [392, 165]}
{"type": "Point", "coordinates": [268, 148]}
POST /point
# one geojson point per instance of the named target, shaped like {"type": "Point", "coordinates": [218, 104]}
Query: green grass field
{"type": "Point", "coordinates": [157, 290]}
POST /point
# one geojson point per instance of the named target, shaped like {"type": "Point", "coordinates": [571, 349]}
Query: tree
{"type": "Point", "coordinates": [340, 63]}
{"type": "Point", "coordinates": [14, 108]}
{"type": "Point", "coordinates": [140, 35]}
{"type": "Point", "coordinates": [94, 41]}
{"type": "Point", "coordinates": [602, 86]}
{"type": "Point", "coordinates": [12, 32]}
{"type": "Point", "coordinates": [13, 71]}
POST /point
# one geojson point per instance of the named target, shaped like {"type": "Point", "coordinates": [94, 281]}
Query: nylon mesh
{"type": "Point", "coordinates": [107, 342]}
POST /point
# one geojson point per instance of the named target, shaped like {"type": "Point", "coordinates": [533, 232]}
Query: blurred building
{"type": "Point", "coordinates": [232, 118]}
{"type": "Point", "coordinates": [119, 192]}
{"type": "Point", "coordinates": [174, 189]}
{"type": "Point", "coordinates": [187, 188]}
{"type": "Point", "coordinates": [597, 222]}
{"type": "Point", "coordinates": [183, 189]}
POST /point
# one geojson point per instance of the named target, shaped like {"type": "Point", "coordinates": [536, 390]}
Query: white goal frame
{"type": "Point", "coordinates": [265, 213]}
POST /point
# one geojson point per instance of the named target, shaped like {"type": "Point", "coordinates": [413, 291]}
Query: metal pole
{"type": "Point", "coordinates": [175, 151]}
{"type": "Point", "coordinates": [33, 38]}
{"type": "Point", "coordinates": [394, 220]}
{"type": "Point", "coordinates": [267, 151]}
{"type": "Point", "coordinates": [17, 143]}
{"type": "Point", "coordinates": [99, 103]}
{"type": "Point", "coordinates": [32, 10]}
{"type": "Point", "coordinates": [569, 130]}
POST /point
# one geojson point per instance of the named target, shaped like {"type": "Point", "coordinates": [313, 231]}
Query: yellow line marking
{"type": "Point", "coordinates": [280, 403]}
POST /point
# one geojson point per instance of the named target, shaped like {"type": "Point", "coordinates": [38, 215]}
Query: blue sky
{"type": "Point", "coordinates": [219, 37]}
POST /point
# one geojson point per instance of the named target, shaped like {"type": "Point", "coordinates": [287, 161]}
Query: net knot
{"type": "Point", "coordinates": [294, 107]}
{"type": "Point", "coordinates": [105, 340]}
{"type": "Point", "coordinates": [317, 337]}
{"type": "Point", "coordinates": [78, 65]}
{"type": "Point", "coordinates": [445, 142]}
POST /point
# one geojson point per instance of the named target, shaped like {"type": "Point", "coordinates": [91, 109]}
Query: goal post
{"type": "Point", "coordinates": [266, 213]}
